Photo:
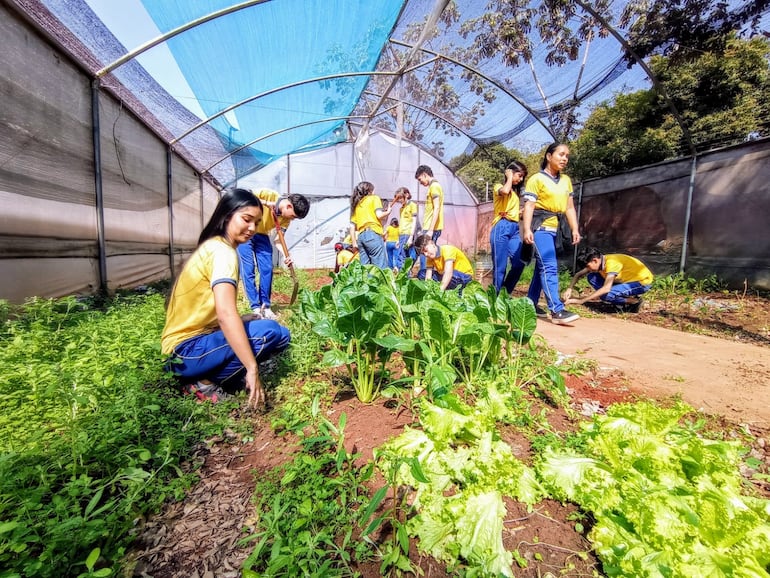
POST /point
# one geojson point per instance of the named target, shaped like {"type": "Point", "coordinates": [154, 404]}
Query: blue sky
{"type": "Point", "coordinates": [130, 23]}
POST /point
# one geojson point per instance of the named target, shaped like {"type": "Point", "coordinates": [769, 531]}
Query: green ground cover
{"type": "Point", "coordinates": [94, 437]}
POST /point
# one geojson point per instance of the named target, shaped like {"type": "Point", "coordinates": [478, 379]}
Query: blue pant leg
{"type": "Point", "coordinates": [374, 246]}
{"type": "Point", "coordinates": [434, 275]}
{"type": "Point", "coordinates": [412, 253]}
{"type": "Point", "coordinates": [248, 261]}
{"type": "Point", "coordinates": [499, 238]}
{"type": "Point", "coordinates": [210, 356]}
{"type": "Point", "coordinates": [401, 251]}
{"type": "Point", "coordinates": [391, 249]}
{"type": "Point", "coordinates": [363, 255]}
{"type": "Point", "coordinates": [263, 251]}
{"type": "Point", "coordinates": [535, 285]}
{"type": "Point", "coordinates": [514, 256]}
{"type": "Point", "coordinates": [620, 292]}
{"type": "Point", "coordinates": [459, 280]}
{"type": "Point", "coordinates": [545, 261]}
{"type": "Point", "coordinates": [595, 280]}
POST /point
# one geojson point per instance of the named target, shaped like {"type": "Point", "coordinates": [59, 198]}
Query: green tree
{"type": "Point", "coordinates": [680, 29]}
{"type": "Point", "coordinates": [683, 29]}
{"type": "Point", "coordinates": [621, 135]}
{"type": "Point", "coordinates": [484, 168]}
{"type": "Point", "coordinates": [722, 97]}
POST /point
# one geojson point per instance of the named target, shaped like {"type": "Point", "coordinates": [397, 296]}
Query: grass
{"type": "Point", "coordinates": [92, 434]}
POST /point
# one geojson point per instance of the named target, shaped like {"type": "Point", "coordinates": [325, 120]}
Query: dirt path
{"type": "Point", "coordinates": [715, 375]}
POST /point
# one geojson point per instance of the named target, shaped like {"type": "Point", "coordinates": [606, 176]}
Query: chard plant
{"type": "Point", "coordinates": [368, 314]}
{"type": "Point", "coordinates": [358, 315]}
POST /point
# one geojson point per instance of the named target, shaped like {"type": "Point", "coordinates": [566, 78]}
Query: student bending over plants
{"type": "Point", "coordinates": [209, 345]}
{"type": "Point", "coordinates": [615, 278]}
{"type": "Point", "coordinates": [452, 268]}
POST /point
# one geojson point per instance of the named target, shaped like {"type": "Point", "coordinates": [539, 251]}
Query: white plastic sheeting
{"type": "Point", "coordinates": [327, 177]}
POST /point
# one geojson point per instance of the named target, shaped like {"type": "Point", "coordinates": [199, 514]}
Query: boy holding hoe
{"type": "Point", "coordinates": [257, 254]}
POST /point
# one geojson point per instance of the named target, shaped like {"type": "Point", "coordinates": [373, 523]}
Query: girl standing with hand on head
{"type": "Point", "coordinates": [208, 343]}
{"type": "Point", "coordinates": [548, 197]}
{"type": "Point", "coordinates": [504, 236]}
{"type": "Point", "coordinates": [366, 217]}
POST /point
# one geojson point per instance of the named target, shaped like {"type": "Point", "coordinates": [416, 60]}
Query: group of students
{"type": "Point", "coordinates": [403, 238]}
{"type": "Point", "coordinates": [526, 224]}
{"type": "Point", "coordinates": [215, 350]}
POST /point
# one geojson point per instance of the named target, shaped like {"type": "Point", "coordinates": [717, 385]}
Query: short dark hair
{"type": "Point", "coordinates": [423, 170]}
{"type": "Point", "coordinates": [421, 241]}
{"type": "Point", "coordinates": [586, 255]}
{"type": "Point", "coordinates": [301, 205]}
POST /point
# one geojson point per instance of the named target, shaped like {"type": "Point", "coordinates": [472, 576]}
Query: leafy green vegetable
{"type": "Point", "coordinates": [667, 502]}
{"type": "Point", "coordinates": [467, 470]}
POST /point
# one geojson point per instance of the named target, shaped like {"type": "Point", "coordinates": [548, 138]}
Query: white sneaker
{"type": "Point", "coordinates": [257, 313]}
{"type": "Point", "coordinates": [267, 313]}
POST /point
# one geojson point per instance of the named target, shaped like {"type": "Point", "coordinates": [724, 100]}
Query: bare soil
{"type": "Point", "coordinates": [713, 352]}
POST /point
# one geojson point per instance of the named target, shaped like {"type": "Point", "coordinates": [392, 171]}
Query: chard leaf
{"type": "Point", "coordinates": [522, 319]}
{"type": "Point", "coordinates": [336, 357]}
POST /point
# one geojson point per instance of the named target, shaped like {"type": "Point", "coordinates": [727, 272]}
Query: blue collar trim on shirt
{"type": "Point", "coordinates": [555, 179]}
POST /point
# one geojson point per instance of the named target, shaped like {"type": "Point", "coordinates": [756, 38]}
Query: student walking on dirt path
{"type": "Point", "coordinates": [617, 279]}
{"type": "Point", "coordinates": [433, 221]}
{"type": "Point", "coordinates": [366, 217]}
{"type": "Point", "coordinates": [446, 264]}
{"type": "Point", "coordinates": [407, 227]}
{"type": "Point", "coordinates": [548, 197]}
{"type": "Point", "coordinates": [208, 344]}
{"type": "Point", "coordinates": [257, 254]}
{"type": "Point", "coordinates": [504, 237]}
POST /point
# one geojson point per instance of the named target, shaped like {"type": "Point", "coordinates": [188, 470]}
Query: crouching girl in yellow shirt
{"type": "Point", "coordinates": [208, 343]}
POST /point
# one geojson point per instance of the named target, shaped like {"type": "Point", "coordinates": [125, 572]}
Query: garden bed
{"type": "Point", "coordinates": [200, 536]}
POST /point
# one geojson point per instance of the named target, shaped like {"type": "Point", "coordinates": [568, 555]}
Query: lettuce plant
{"type": "Point", "coordinates": [667, 502]}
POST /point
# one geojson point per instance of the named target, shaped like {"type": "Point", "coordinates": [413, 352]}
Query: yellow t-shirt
{"type": "Point", "coordinates": [505, 206]}
{"type": "Point", "coordinates": [267, 224]}
{"type": "Point", "coordinates": [549, 194]}
{"type": "Point", "coordinates": [450, 253]}
{"type": "Point", "coordinates": [434, 192]}
{"type": "Point", "coordinates": [406, 217]}
{"type": "Point", "coordinates": [191, 310]}
{"type": "Point", "coordinates": [626, 268]}
{"type": "Point", "coordinates": [346, 256]}
{"type": "Point", "coordinates": [391, 234]}
{"type": "Point", "coordinates": [365, 214]}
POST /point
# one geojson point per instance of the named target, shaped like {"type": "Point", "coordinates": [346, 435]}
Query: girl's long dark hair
{"type": "Point", "coordinates": [361, 190]}
{"type": "Point", "coordinates": [518, 167]}
{"type": "Point", "coordinates": [231, 201]}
